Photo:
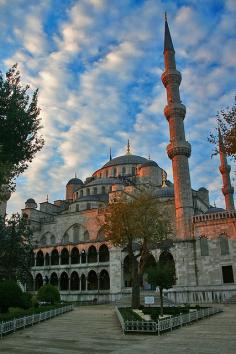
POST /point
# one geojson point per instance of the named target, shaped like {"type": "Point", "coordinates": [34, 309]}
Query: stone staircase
{"type": "Point", "coordinates": [125, 300]}
{"type": "Point", "coordinates": [231, 300]}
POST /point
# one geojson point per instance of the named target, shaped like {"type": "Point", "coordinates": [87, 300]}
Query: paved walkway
{"type": "Point", "coordinates": [95, 330]}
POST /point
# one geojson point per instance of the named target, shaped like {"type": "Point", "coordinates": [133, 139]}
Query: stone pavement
{"type": "Point", "coordinates": [95, 330]}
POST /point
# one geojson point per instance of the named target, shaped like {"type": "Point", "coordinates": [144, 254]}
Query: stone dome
{"type": "Point", "coordinates": [104, 181]}
{"type": "Point", "coordinates": [126, 160]}
{"type": "Point", "coordinates": [75, 181]}
{"type": "Point", "coordinates": [30, 201]}
{"type": "Point", "coordinates": [214, 210]}
{"type": "Point", "coordinates": [165, 192]}
{"type": "Point", "coordinates": [149, 163]}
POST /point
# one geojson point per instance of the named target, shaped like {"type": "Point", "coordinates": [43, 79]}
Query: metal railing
{"type": "Point", "coordinates": [22, 322]}
{"type": "Point", "coordinates": [167, 324]}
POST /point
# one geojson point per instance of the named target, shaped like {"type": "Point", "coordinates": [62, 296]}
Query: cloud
{"type": "Point", "coordinates": [98, 65]}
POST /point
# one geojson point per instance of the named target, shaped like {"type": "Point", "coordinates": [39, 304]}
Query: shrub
{"type": "Point", "coordinates": [10, 295]}
{"type": "Point", "coordinates": [48, 293]}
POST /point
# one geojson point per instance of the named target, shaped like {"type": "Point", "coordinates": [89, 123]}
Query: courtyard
{"type": "Point", "coordinates": [95, 329]}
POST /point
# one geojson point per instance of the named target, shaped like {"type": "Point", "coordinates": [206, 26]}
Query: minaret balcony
{"type": "Point", "coordinates": [227, 190]}
{"type": "Point", "coordinates": [171, 77]}
{"type": "Point", "coordinates": [225, 169]}
{"type": "Point", "coordinates": [178, 148]}
{"type": "Point", "coordinates": [175, 110]}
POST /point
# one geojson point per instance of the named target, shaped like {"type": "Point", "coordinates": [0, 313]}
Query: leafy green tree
{"type": "Point", "coordinates": [11, 295]}
{"type": "Point", "coordinates": [226, 120]}
{"type": "Point", "coordinates": [19, 127]}
{"type": "Point", "coordinates": [15, 249]}
{"type": "Point", "coordinates": [136, 224]}
{"type": "Point", "coordinates": [163, 276]}
{"type": "Point", "coordinates": [48, 293]}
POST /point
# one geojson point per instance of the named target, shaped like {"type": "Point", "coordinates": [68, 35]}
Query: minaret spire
{"type": "Point", "coordinates": [224, 168]}
{"type": "Point", "coordinates": [110, 154]}
{"type": "Point", "coordinates": [128, 148]}
{"type": "Point", "coordinates": [179, 150]}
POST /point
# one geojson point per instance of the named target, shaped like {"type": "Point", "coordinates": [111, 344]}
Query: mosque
{"type": "Point", "coordinates": [71, 251]}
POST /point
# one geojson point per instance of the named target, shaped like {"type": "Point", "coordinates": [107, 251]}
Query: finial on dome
{"type": "Point", "coordinates": [165, 16]}
{"type": "Point", "coordinates": [110, 154]}
{"type": "Point", "coordinates": [47, 198]}
{"type": "Point", "coordinates": [149, 157]}
{"type": "Point", "coordinates": [75, 175]}
{"type": "Point", "coordinates": [164, 179]}
{"type": "Point", "coordinates": [128, 148]}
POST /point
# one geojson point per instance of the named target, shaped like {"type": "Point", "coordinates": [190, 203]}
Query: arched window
{"type": "Point", "coordinates": [76, 230]}
{"type": "Point", "coordinates": [64, 256]}
{"type": "Point", "coordinates": [83, 282]}
{"type": "Point", "coordinates": [224, 245]}
{"type": "Point", "coordinates": [95, 190]}
{"type": "Point", "coordinates": [65, 238]}
{"type": "Point", "coordinates": [103, 254]}
{"type": "Point", "coordinates": [115, 172]}
{"type": "Point", "coordinates": [74, 281]}
{"type": "Point", "coordinates": [81, 193]}
{"type": "Point", "coordinates": [104, 280]}
{"type": "Point", "coordinates": [92, 254]}
{"type": "Point", "coordinates": [123, 171]}
{"type": "Point", "coordinates": [103, 190]}
{"type": "Point", "coordinates": [204, 246]}
{"type": "Point", "coordinates": [43, 240]}
{"type": "Point", "coordinates": [74, 256]}
{"type": "Point", "coordinates": [101, 234]}
{"type": "Point", "coordinates": [38, 281]}
{"type": "Point", "coordinates": [52, 240]}
{"type": "Point", "coordinates": [86, 235]}
{"type": "Point", "coordinates": [88, 191]}
{"type": "Point", "coordinates": [167, 258]}
{"type": "Point", "coordinates": [47, 259]}
{"type": "Point", "coordinates": [77, 207]}
{"type": "Point", "coordinates": [39, 259]}
{"type": "Point", "coordinates": [64, 281]}
{"type": "Point", "coordinates": [55, 257]}
{"type": "Point", "coordinates": [92, 280]}
{"type": "Point", "coordinates": [54, 279]}
{"type": "Point", "coordinates": [83, 256]}
{"type": "Point", "coordinates": [106, 173]}
{"type": "Point", "coordinates": [133, 171]}
{"type": "Point", "coordinates": [88, 206]}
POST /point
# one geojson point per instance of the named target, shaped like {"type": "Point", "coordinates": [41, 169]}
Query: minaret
{"type": "Point", "coordinates": [178, 150]}
{"type": "Point", "coordinates": [224, 168]}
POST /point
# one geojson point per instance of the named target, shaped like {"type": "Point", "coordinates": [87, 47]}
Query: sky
{"type": "Point", "coordinates": [98, 63]}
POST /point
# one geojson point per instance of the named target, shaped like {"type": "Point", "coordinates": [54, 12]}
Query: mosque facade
{"type": "Point", "coordinates": [71, 250]}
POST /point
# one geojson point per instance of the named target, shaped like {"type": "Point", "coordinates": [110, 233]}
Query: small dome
{"type": "Point", "coordinates": [165, 192]}
{"type": "Point", "coordinates": [149, 163]}
{"type": "Point", "coordinates": [103, 181]}
{"type": "Point", "coordinates": [214, 210]}
{"type": "Point", "coordinates": [75, 181]}
{"type": "Point", "coordinates": [30, 201]}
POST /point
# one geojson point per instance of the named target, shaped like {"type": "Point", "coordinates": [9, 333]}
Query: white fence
{"type": "Point", "coordinates": [165, 324]}
{"type": "Point", "coordinates": [22, 322]}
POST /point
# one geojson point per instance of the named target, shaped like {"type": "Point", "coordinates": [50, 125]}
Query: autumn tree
{"type": "Point", "coordinates": [162, 275]}
{"type": "Point", "coordinates": [226, 120]}
{"type": "Point", "coordinates": [15, 249]}
{"type": "Point", "coordinates": [19, 127]}
{"type": "Point", "coordinates": [136, 224]}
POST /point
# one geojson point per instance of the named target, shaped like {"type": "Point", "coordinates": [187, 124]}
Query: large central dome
{"type": "Point", "coordinates": [125, 160]}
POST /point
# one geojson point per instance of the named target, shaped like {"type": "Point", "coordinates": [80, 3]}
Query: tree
{"type": "Point", "coordinates": [136, 224]}
{"type": "Point", "coordinates": [226, 120]}
{"type": "Point", "coordinates": [19, 126]}
{"type": "Point", "coordinates": [15, 249]}
{"type": "Point", "coordinates": [163, 276]}
{"type": "Point", "coordinates": [48, 293]}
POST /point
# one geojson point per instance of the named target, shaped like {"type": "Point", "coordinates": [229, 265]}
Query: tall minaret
{"type": "Point", "coordinates": [179, 150]}
{"type": "Point", "coordinates": [224, 168]}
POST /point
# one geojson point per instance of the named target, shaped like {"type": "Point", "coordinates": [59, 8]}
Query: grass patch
{"type": "Point", "coordinates": [128, 314]}
{"type": "Point", "coordinates": [16, 312]}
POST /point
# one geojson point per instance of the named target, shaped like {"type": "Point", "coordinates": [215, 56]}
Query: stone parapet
{"type": "Point", "coordinates": [214, 216]}
{"type": "Point", "coordinates": [178, 148]}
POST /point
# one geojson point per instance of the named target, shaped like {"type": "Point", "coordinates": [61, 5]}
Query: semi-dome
{"type": "Point", "coordinates": [75, 180]}
{"type": "Point", "coordinates": [29, 201]}
{"type": "Point", "coordinates": [103, 181]}
{"type": "Point", "coordinates": [125, 160]}
{"type": "Point", "coordinates": [165, 192]}
{"type": "Point", "coordinates": [214, 210]}
{"type": "Point", "coordinates": [149, 163]}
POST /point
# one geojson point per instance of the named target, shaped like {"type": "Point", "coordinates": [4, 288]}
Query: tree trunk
{"type": "Point", "coordinates": [161, 299]}
{"type": "Point", "coordinates": [135, 284]}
